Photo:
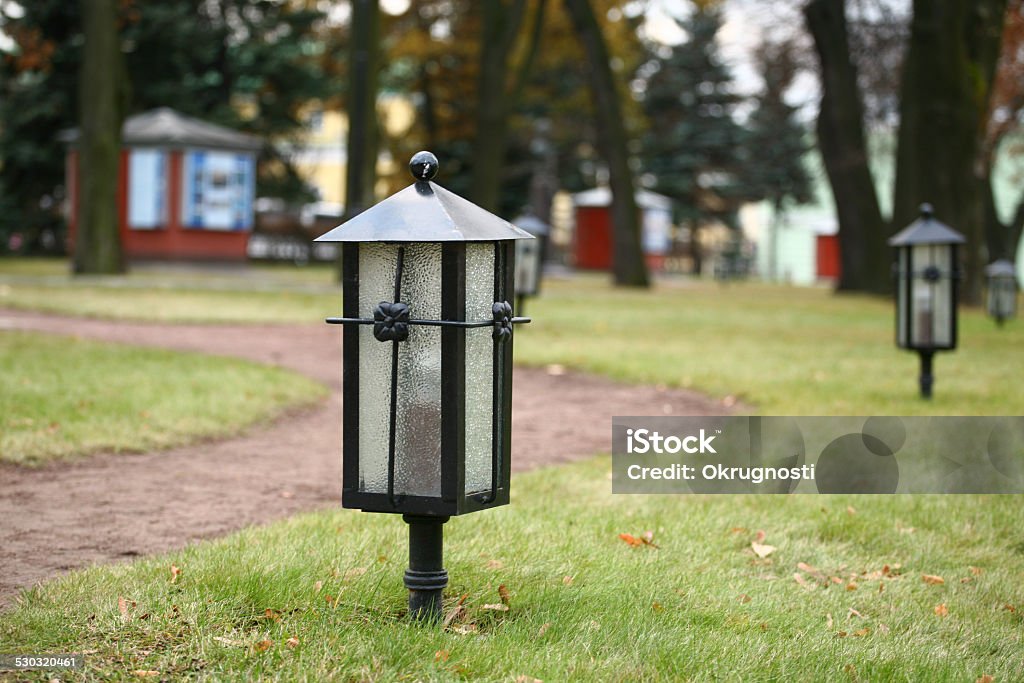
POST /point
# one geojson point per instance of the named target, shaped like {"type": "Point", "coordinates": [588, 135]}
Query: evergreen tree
{"type": "Point", "coordinates": [777, 142]}
{"type": "Point", "coordinates": [693, 147]}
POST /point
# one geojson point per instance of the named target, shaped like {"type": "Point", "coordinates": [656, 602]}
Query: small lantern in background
{"type": "Point", "coordinates": [427, 388]}
{"type": "Point", "coordinates": [1001, 300]}
{"type": "Point", "coordinates": [530, 258]}
{"type": "Point", "coordinates": [927, 274]}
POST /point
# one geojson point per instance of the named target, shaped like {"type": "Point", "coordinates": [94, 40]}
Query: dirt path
{"type": "Point", "coordinates": [110, 507]}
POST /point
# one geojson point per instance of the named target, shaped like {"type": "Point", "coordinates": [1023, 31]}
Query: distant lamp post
{"type": "Point", "coordinates": [1001, 301]}
{"type": "Point", "coordinates": [427, 280]}
{"type": "Point", "coordinates": [926, 290]}
{"type": "Point", "coordinates": [530, 258]}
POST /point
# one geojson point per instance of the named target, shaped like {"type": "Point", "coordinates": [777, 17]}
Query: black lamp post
{"type": "Point", "coordinates": [427, 280]}
{"type": "Point", "coordinates": [1001, 300]}
{"type": "Point", "coordinates": [529, 258]}
{"type": "Point", "coordinates": [927, 273]}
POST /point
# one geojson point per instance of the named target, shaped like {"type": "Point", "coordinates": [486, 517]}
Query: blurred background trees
{"type": "Point", "coordinates": [520, 98]}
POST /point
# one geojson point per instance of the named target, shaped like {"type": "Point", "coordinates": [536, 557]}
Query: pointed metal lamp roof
{"type": "Point", "coordinates": [926, 230]}
{"type": "Point", "coordinates": [532, 225]}
{"type": "Point", "coordinates": [1001, 268]}
{"type": "Point", "coordinates": [424, 212]}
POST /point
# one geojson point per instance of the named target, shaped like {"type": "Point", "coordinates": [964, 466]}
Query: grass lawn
{"type": "Point", "coordinates": [782, 350]}
{"type": "Point", "coordinates": [319, 597]}
{"type": "Point", "coordinates": [62, 397]}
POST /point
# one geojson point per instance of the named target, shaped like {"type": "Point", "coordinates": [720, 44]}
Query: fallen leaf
{"type": "Point", "coordinates": [883, 629]}
{"type": "Point", "coordinates": [761, 550]}
{"type": "Point", "coordinates": [855, 613]}
{"type": "Point", "coordinates": [555, 370]}
{"type": "Point", "coordinates": [328, 598]}
{"type": "Point", "coordinates": [738, 530]}
{"type": "Point", "coordinates": [860, 633]}
{"type": "Point", "coordinates": [143, 617]}
{"type": "Point", "coordinates": [850, 510]}
{"type": "Point", "coordinates": [229, 641]}
{"type": "Point", "coordinates": [967, 579]}
{"type": "Point", "coordinates": [656, 606]}
{"type": "Point", "coordinates": [464, 629]}
{"type": "Point", "coordinates": [631, 539]}
{"type": "Point", "coordinates": [317, 586]}
{"type": "Point", "coordinates": [932, 580]}
{"type": "Point", "coordinates": [543, 628]}
{"type": "Point", "coordinates": [263, 645]}
{"type": "Point", "coordinates": [799, 578]}
{"type": "Point", "coordinates": [494, 564]}
{"type": "Point", "coordinates": [984, 679]}
{"type": "Point", "coordinates": [497, 607]}
{"type": "Point", "coordinates": [759, 536]}
{"type": "Point", "coordinates": [454, 612]}
{"type": "Point", "coordinates": [841, 634]}
{"type": "Point", "coordinates": [271, 614]}
{"type": "Point", "coordinates": [744, 598]}
{"type": "Point", "coordinates": [1009, 608]}
{"type": "Point", "coordinates": [145, 673]}
{"type": "Point", "coordinates": [523, 678]}
{"type": "Point", "coordinates": [941, 610]}
{"type": "Point", "coordinates": [354, 572]}
{"type": "Point", "coordinates": [567, 580]}
{"type": "Point", "coordinates": [292, 642]}
{"type": "Point", "coordinates": [441, 656]}
{"type": "Point", "coordinates": [648, 538]}
{"type": "Point", "coordinates": [504, 594]}
{"type": "Point", "coordinates": [852, 586]}
{"type": "Point", "coordinates": [122, 606]}
{"type": "Point", "coordinates": [977, 571]}
{"type": "Point", "coordinates": [803, 566]}
{"type": "Point", "coordinates": [828, 620]}
{"type": "Point", "coordinates": [175, 572]}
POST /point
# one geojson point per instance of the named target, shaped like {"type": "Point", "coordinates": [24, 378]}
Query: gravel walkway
{"type": "Point", "coordinates": [110, 507]}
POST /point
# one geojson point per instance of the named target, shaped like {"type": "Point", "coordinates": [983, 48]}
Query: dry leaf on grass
{"type": "Point", "coordinates": [144, 673]}
{"type": "Point", "coordinates": [744, 598]}
{"type": "Point", "coordinates": [494, 564]}
{"type": "Point", "coordinates": [799, 578]}
{"type": "Point", "coordinates": [645, 539]}
{"type": "Point", "coordinates": [441, 656]}
{"type": "Point", "coordinates": [861, 632]}
{"type": "Point", "coordinates": [932, 580]}
{"type": "Point", "coordinates": [828, 620]}
{"type": "Point", "coordinates": [496, 607]}
{"type": "Point", "coordinates": [292, 642]}
{"type": "Point", "coordinates": [263, 645]}
{"type": "Point", "coordinates": [504, 594]}
{"type": "Point", "coordinates": [759, 536]}
{"type": "Point", "coordinates": [523, 678]}
{"type": "Point", "coordinates": [354, 572]}
{"type": "Point", "coordinates": [454, 612]}
{"type": "Point", "coordinates": [175, 573]}
{"type": "Point", "coordinates": [543, 629]}
{"type": "Point", "coordinates": [941, 610]}
{"type": "Point", "coordinates": [567, 580]}
{"type": "Point", "coordinates": [1009, 608]}
{"type": "Point", "coordinates": [230, 641]}
{"type": "Point", "coordinates": [984, 679]}
{"type": "Point", "coordinates": [976, 570]}
{"type": "Point", "coordinates": [762, 550]}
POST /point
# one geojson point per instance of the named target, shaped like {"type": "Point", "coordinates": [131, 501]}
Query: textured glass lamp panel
{"type": "Point", "coordinates": [527, 266]}
{"type": "Point", "coordinates": [932, 324]}
{"type": "Point", "coordinates": [479, 366]}
{"type": "Point", "coordinates": [418, 414]}
{"type": "Point", "coordinates": [901, 294]}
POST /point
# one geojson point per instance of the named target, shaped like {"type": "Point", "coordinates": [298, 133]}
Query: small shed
{"type": "Point", "coordinates": [592, 239]}
{"type": "Point", "coordinates": [186, 187]}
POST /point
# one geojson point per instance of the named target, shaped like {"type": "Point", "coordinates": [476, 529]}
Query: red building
{"type": "Point", "coordinates": [592, 238]}
{"type": "Point", "coordinates": [186, 188]}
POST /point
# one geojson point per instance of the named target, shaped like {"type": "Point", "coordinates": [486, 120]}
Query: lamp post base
{"type": "Point", "coordinates": [927, 379]}
{"type": "Point", "coordinates": [426, 577]}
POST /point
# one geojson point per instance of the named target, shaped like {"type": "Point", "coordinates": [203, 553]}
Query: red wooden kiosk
{"type": "Point", "coordinates": [185, 189]}
{"type": "Point", "coordinates": [592, 239]}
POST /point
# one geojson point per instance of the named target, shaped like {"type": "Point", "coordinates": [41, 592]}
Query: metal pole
{"type": "Point", "coordinates": [426, 577]}
{"type": "Point", "coordinates": [926, 378]}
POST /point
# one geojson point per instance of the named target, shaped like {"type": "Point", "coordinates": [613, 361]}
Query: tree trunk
{"type": "Point", "coordinates": [627, 257]}
{"type": "Point", "coordinates": [864, 257]}
{"type": "Point", "coordinates": [947, 77]}
{"type": "Point", "coordinates": [363, 132]}
{"type": "Point", "coordinates": [98, 240]}
{"type": "Point", "coordinates": [495, 95]}
{"type": "Point", "coordinates": [361, 166]}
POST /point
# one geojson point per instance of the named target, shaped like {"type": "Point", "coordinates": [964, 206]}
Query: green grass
{"type": "Point", "coordinates": [62, 397]}
{"type": "Point", "coordinates": [174, 293]}
{"type": "Point", "coordinates": [783, 350]}
{"type": "Point", "coordinates": [700, 607]}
